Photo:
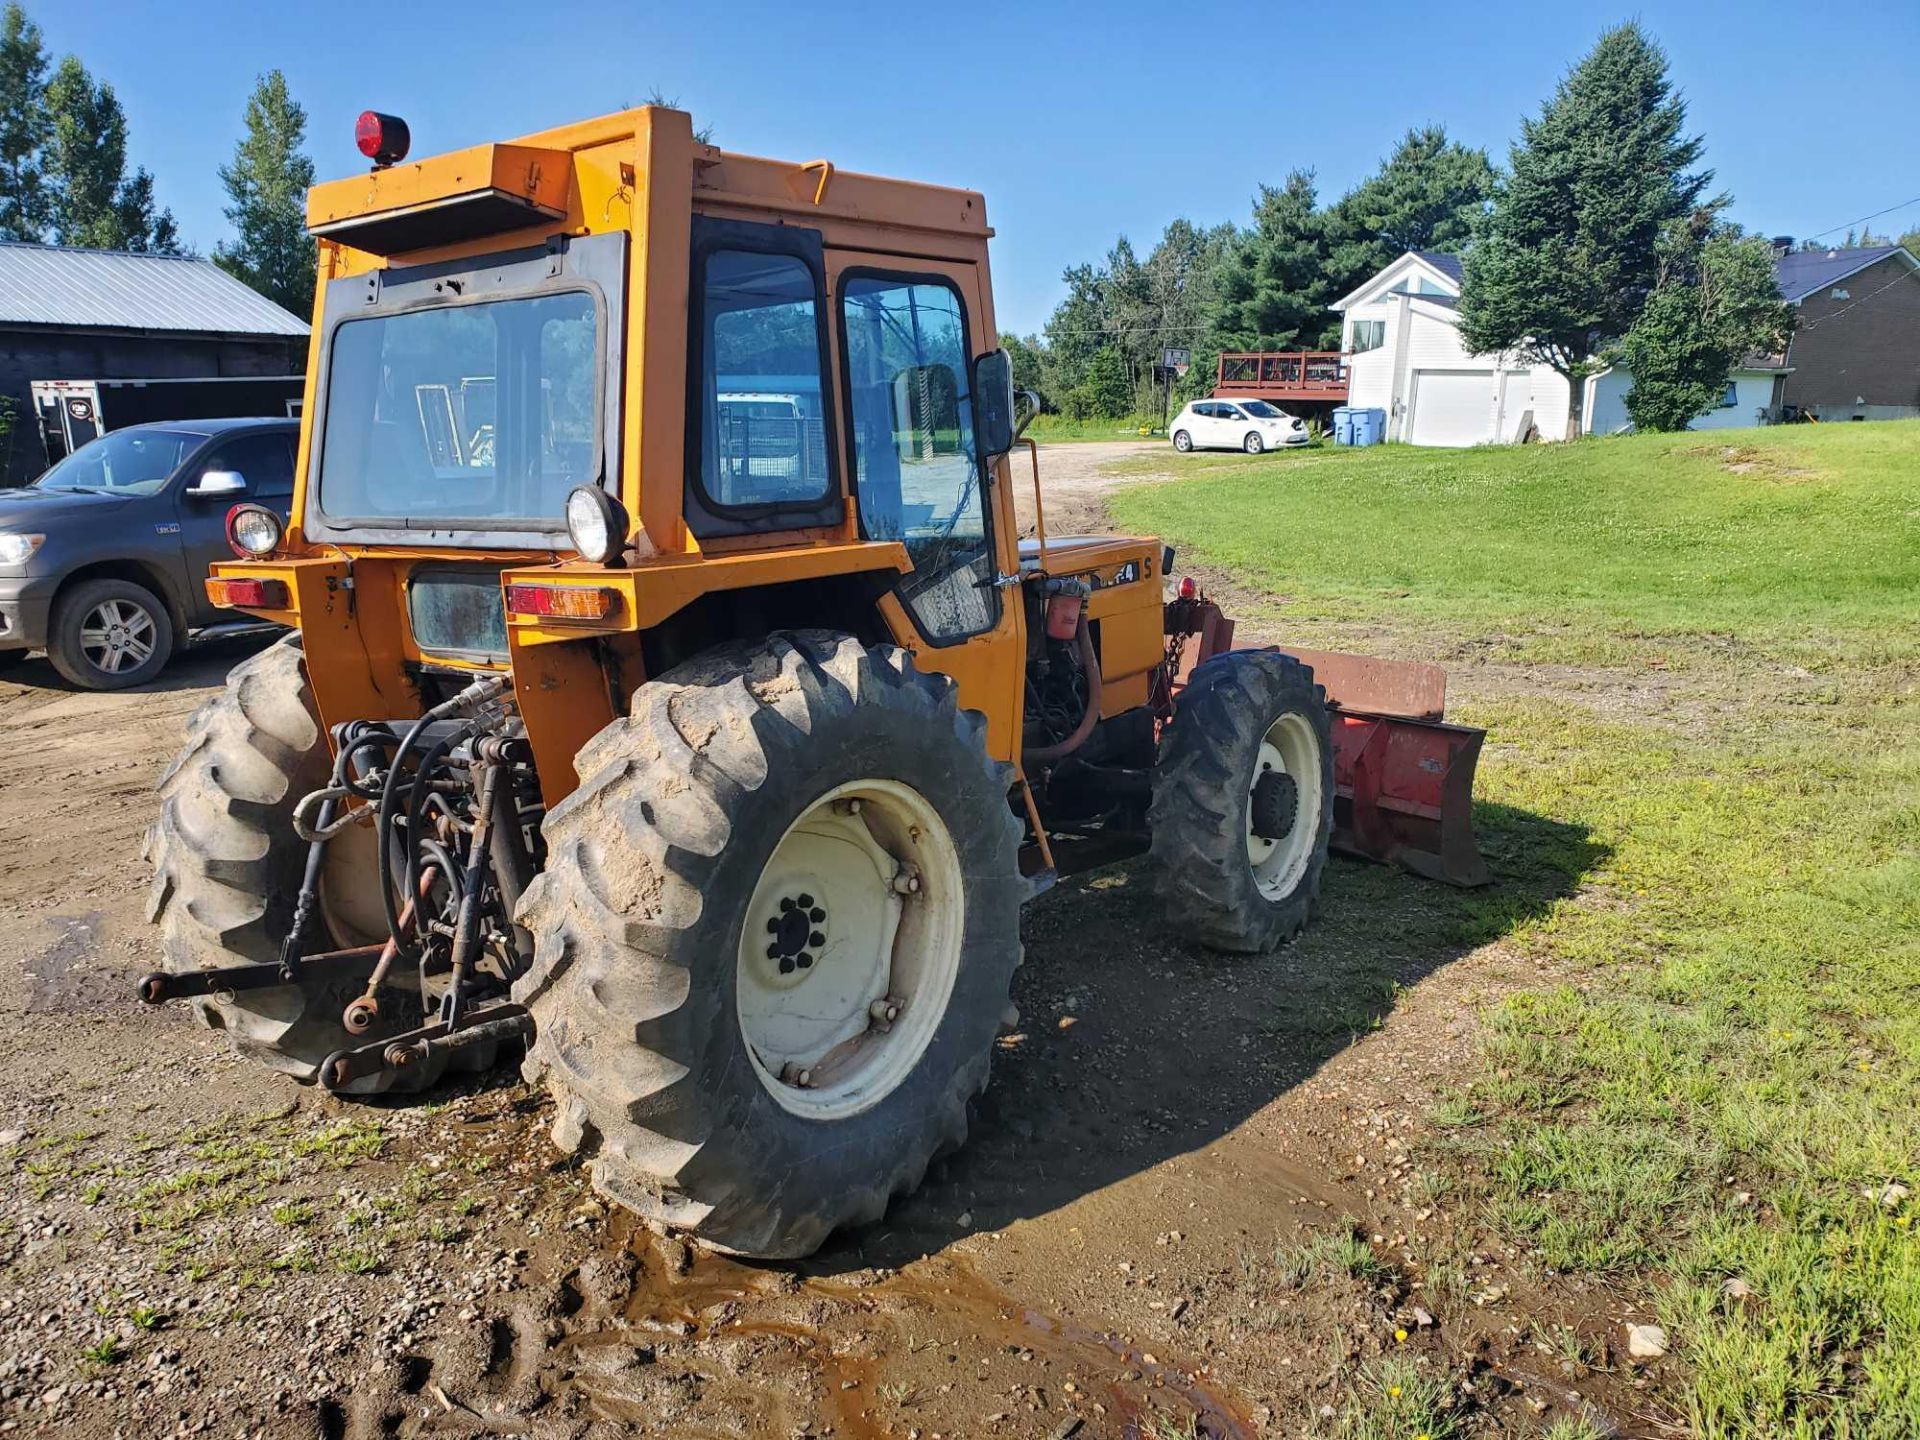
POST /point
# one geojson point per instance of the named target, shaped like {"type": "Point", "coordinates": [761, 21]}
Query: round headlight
{"type": "Point", "coordinates": [253, 531]}
{"type": "Point", "coordinates": [596, 523]}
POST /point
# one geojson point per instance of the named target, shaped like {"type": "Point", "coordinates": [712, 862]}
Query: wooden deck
{"type": "Point", "coordinates": [1283, 374]}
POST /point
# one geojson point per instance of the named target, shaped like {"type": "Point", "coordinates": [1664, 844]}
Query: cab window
{"type": "Point", "coordinates": [917, 470]}
{"type": "Point", "coordinates": [762, 420]}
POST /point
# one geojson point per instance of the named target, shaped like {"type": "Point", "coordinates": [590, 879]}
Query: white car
{"type": "Point", "coordinates": [1249, 425]}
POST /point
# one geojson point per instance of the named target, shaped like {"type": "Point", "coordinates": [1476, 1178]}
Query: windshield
{"type": "Point", "coordinates": [483, 412]}
{"type": "Point", "coordinates": [1261, 410]}
{"type": "Point", "coordinates": [124, 462]}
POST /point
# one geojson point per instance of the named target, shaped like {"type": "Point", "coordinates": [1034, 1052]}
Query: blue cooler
{"type": "Point", "coordinates": [1343, 417]}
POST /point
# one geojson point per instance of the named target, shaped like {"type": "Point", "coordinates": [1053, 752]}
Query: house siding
{"type": "Point", "coordinates": [1859, 356]}
{"type": "Point", "coordinates": [1607, 403]}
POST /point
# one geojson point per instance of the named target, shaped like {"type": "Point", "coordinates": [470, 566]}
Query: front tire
{"type": "Point", "coordinates": [1182, 441]}
{"type": "Point", "coordinates": [1242, 805]}
{"type": "Point", "coordinates": [1253, 444]}
{"type": "Point", "coordinates": [109, 634]}
{"type": "Point", "coordinates": [709, 824]}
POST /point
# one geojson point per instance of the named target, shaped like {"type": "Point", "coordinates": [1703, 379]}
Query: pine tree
{"type": "Point", "coordinates": [267, 183]}
{"type": "Point", "coordinates": [92, 200]}
{"type": "Point", "coordinates": [1273, 288]}
{"type": "Point", "coordinates": [1572, 246]}
{"type": "Point", "coordinates": [1427, 195]}
{"type": "Point", "coordinates": [23, 126]}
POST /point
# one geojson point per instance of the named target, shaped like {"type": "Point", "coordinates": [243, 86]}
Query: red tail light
{"type": "Point", "coordinates": [563, 602]}
{"type": "Point", "coordinates": [383, 139]}
{"type": "Point", "coordinates": [248, 594]}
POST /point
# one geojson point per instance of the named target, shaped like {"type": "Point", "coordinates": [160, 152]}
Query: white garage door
{"type": "Point", "coordinates": [1452, 407]}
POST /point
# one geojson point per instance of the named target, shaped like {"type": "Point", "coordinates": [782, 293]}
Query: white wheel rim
{"type": "Point", "coordinates": [850, 948]}
{"type": "Point", "coordinates": [1291, 747]}
{"type": "Point", "coordinates": [117, 636]}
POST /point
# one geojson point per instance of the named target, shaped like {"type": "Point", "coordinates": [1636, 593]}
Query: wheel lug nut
{"type": "Point", "coordinates": [800, 1075]}
{"type": "Point", "coordinates": [883, 1013]}
{"type": "Point", "coordinates": [816, 915]}
{"type": "Point", "coordinates": [773, 925]}
{"type": "Point", "coordinates": [805, 902]}
{"type": "Point", "coordinates": [816, 939]}
{"type": "Point", "coordinates": [803, 960]}
{"type": "Point", "coordinates": [786, 964]}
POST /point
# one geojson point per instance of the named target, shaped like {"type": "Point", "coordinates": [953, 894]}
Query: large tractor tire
{"type": "Point", "coordinates": [1243, 802]}
{"type": "Point", "coordinates": [773, 940]}
{"type": "Point", "coordinates": [227, 867]}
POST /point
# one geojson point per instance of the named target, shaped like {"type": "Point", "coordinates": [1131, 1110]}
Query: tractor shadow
{"type": "Point", "coordinates": [1133, 1049]}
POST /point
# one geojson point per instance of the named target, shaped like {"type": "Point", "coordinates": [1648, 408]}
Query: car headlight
{"type": "Point", "coordinates": [15, 549]}
{"type": "Point", "coordinates": [596, 523]}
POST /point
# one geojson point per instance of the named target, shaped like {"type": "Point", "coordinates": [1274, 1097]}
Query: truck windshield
{"type": "Point", "coordinates": [124, 462]}
{"type": "Point", "coordinates": [485, 412]}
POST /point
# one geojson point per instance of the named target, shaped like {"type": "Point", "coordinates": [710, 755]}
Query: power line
{"type": "Point", "coordinates": [1818, 320]}
{"type": "Point", "coordinates": [1864, 218]}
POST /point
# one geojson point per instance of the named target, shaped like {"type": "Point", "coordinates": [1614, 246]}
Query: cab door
{"type": "Point", "coordinates": [906, 334]}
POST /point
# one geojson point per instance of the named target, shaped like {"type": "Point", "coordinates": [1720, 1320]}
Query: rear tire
{"type": "Point", "coordinates": [656, 1028]}
{"type": "Point", "coordinates": [227, 868]}
{"type": "Point", "coordinates": [109, 635]}
{"type": "Point", "coordinates": [1223, 878]}
{"type": "Point", "coordinates": [1182, 441]}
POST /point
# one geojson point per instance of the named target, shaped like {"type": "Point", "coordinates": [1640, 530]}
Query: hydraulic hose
{"type": "Point", "coordinates": [475, 695]}
{"type": "Point", "coordinates": [1090, 666]}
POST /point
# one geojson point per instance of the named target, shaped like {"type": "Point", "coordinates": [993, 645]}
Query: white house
{"type": "Point", "coordinates": [1402, 332]}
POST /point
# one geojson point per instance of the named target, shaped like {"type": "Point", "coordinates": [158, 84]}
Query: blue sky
{"type": "Point", "coordinates": [1079, 123]}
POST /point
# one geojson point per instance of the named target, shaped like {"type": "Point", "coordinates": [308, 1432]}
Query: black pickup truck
{"type": "Point", "coordinates": [102, 558]}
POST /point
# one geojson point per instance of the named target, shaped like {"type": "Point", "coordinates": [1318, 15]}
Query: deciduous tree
{"type": "Point", "coordinates": [267, 184]}
{"type": "Point", "coordinates": [23, 126]}
{"type": "Point", "coordinates": [1715, 303]}
{"type": "Point", "coordinates": [1571, 249]}
{"type": "Point", "coordinates": [93, 201]}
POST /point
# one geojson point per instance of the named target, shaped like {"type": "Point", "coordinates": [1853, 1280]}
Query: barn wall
{"type": "Point", "coordinates": [37, 353]}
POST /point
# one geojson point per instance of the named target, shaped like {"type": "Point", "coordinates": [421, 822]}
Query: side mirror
{"type": "Point", "coordinates": [993, 404]}
{"type": "Point", "coordinates": [218, 483]}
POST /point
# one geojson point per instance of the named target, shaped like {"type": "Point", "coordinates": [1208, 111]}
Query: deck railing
{"type": "Point", "coordinates": [1307, 373]}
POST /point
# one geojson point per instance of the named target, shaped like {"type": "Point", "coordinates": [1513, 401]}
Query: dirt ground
{"type": "Point", "coordinates": [1194, 1202]}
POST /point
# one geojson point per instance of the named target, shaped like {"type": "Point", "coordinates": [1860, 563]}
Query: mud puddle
{"type": "Point", "coordinates": [931, 1348]}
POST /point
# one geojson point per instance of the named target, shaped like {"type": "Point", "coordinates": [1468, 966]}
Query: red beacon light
{"type": "Point", "coordinates": [383, 139]}
{"type": "Point", "coordinates": [1187, 588]}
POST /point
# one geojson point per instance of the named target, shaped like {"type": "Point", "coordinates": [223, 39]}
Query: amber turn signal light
{"type": "Point", "coordinates": [563, 602]}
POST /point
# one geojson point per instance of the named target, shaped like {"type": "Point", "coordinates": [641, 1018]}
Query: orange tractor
{"type": "Point", "coordinates": [673, 696]}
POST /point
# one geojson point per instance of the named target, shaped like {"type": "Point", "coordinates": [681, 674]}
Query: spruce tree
{"type": "Point", "coordinates": [1272, 289]}
{"type": "Point", "coordinates": [1571, 250]}
{"type": "Point", "coordinates": [267, 183]}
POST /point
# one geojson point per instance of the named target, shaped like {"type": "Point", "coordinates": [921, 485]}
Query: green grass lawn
{"type": "Point", "coordinates": [1722, 1082]}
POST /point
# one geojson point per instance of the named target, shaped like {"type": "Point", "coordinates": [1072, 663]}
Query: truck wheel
{"type": "Point", "coordinates": [1243, 802]}
{"type": "Point", "coordinates": [227, 864]}
{"type": "Point", "coordinates": [109, 634]}
{"type": "Point", "coordinates": [773, 940]}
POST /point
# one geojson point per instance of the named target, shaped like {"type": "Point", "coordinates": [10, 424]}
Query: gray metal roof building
{"type": "Point", "coordinates": [111, 289]}
{"type": "Point", "coordinates": [105, 315]}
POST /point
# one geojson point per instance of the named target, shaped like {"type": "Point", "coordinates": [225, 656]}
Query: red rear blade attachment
{"type": "Point", "coordinates": [1402, 777]}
